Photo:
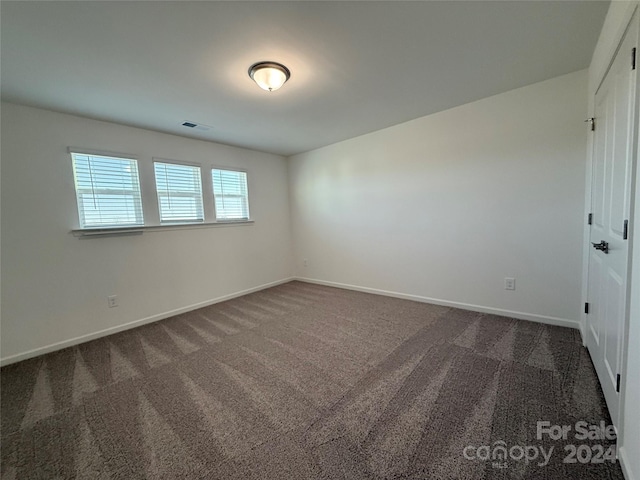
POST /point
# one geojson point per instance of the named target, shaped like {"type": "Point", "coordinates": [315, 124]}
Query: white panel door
{"type": "Point", "coordinates": [611, 200]}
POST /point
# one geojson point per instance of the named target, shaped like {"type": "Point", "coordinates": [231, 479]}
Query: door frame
{"type": "Point", "coordinates": [631, 14]}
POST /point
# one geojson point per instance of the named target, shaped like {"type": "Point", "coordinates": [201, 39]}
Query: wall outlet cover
{"type": "Point", "coordinates": [509, 283]}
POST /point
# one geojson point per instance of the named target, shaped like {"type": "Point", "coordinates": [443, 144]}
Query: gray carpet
{"type": "Point", "coordinates": [303, 382]}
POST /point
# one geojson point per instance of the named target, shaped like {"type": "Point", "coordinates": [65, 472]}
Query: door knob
{"type": "Point", "coordinates": [602, 246]}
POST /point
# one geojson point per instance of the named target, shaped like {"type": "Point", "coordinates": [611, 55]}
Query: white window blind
{"type": "Point", "coordinates": [179, 190]}
{"type": "Point", "coordinates": [231, 196]}
{"type": "Point", "coordinates": [107, 191]}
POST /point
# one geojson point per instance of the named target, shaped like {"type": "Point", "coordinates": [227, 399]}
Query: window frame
{"type": "Point", "coordinates": [249, 218]}
{"type": "Point", "coordinates": [108, 154]}
{"type": "Point", "coordinates": [169, 223]}
{"type": "Point", "coordinates": [149, 206]}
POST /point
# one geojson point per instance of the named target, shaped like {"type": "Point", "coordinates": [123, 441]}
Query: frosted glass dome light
{"type": "Point", "coordinates": [269, 76]}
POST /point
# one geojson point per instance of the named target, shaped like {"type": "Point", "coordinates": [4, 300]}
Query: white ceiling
{"type": "Point", "coordinates": [356, 67]}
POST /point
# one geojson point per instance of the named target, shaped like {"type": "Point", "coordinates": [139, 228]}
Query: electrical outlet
{"type": "Point", "coordinates": [509, 283]}
{"type": "Point", "coordinates": [112, 301]}
{"type": "Point", "coordinates": [305, 262]}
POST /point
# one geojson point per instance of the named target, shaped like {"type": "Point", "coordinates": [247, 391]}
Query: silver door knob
{"type": "Point", "coordinates": [602, 246]}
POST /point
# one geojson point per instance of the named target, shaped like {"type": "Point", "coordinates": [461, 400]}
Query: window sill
{"type": "Point", "coordinates": [121, 231]}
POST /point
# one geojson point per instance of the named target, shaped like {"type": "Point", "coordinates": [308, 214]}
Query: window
{"type": "Point", "coordinates": [109, 194]}
{"type": "Point", "coordinates": [179, 190]}
{"type": "Point", "coordinates": [107, 191]}
{"type": "Point", "coordinates": [230, 193]}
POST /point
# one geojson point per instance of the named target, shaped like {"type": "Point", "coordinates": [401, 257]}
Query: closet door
{"type": "Point", "coordinates": [613, 154]}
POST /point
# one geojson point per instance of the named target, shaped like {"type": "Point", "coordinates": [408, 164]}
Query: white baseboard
{"type": "Point", "coordinates": [154, 318]}
{"type": "Point", "coordinates": [136, 323]}
{"type": "Point", "coordinates": [624, 464]}
{"type": "Point", "coordinates": [561, 322]}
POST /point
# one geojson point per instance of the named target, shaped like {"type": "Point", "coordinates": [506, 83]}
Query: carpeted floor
{"type": "Point", "coordinates": [305, 382]}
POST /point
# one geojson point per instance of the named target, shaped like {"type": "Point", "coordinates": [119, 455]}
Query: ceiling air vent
{"type": "Point", "coordinates": [196, 126]}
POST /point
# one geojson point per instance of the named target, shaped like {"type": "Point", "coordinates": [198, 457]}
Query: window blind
{"type": "Point", "coordinates": [107, 191]}
{"type": "Point", "coordinates": [231, 196]}
{"type": "Point", "coordinates": [179, 190]}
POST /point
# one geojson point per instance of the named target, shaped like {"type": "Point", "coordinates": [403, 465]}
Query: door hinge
{"type": "Point", "coordinates": [618, 383]}
{"type": "Point", "coordinates": [592, 123]}
{"type": "Point", "coordinates": [633, 58]}
{"type": "Point", "coordinates": [590, 219]}
{"type": "Point", "coordinates": [586, 308]}
{"type": "Point", "coordinates": [625, 230]}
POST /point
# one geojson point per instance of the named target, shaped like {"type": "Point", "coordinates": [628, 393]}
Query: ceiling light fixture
{"type": "Point", "coordinates": [269, 76]}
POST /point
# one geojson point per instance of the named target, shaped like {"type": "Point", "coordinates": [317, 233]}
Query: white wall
{"type": "Point", "coordinates": [446, 206]}
{"type": "Point", "coordinates": [55, 286]}
{"type": "Point", "coordinates": [615, 24]}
